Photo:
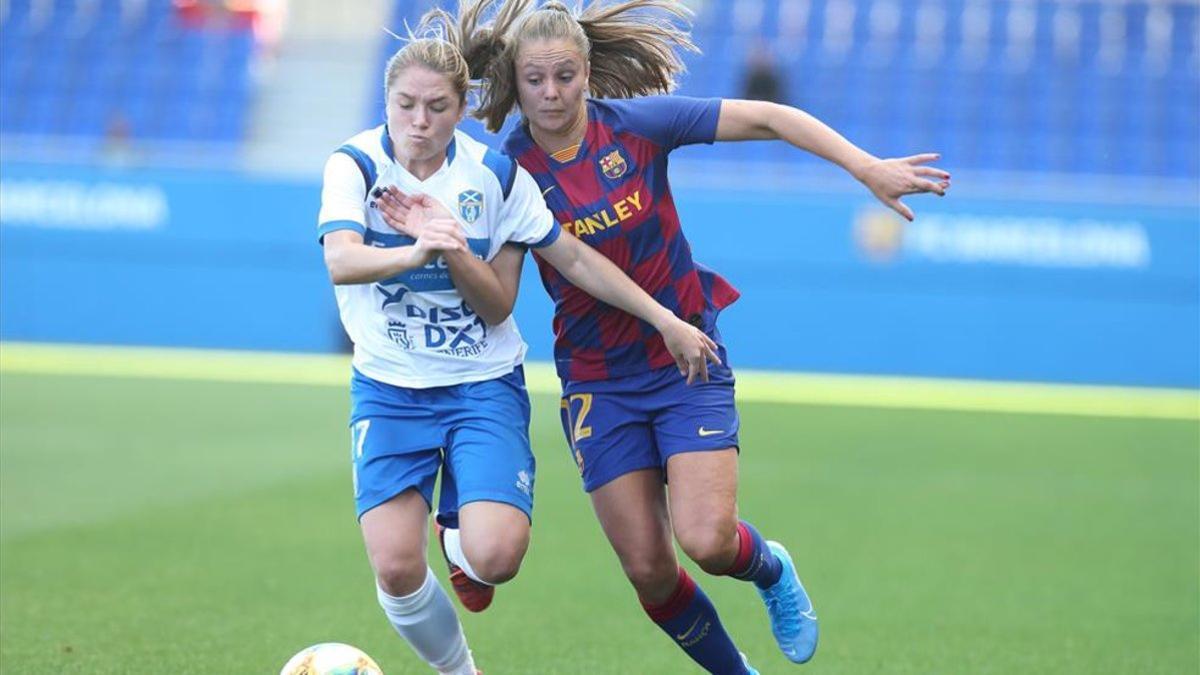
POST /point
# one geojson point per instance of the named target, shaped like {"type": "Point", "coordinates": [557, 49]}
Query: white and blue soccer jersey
{"type": "Point", "coordinates": [415, 330]}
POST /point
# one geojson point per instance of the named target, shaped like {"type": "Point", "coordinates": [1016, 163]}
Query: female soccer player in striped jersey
{"type": "Point", "coordinates": [596, 142]}
{"type": "Point", "coordinates": [437, 382]}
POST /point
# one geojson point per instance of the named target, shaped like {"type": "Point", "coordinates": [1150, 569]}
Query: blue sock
{"type": "Point", "coordinates": [754, 561]}
{"type": "Point", "coordinates": [690, 619]}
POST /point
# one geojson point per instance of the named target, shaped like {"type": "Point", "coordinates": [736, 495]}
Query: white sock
{"type": "Point", "coordinates": [452, 539]}
{"type": "Point", "coordinates": [426, 620]}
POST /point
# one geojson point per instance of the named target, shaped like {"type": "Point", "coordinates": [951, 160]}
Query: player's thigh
{"type": "Point", "coordinates": [632, 510]}
{"type": "Point", "coordinates": [394, 533]}
{"type": "Point", "coordinates": [488, 454]}
{"type": "Point", "coordinates": [394, 442]}
{"type": "Point", "coordinates": [609, 435]}
{"type": "Point", "coordinates": [495, 538]}
{"type": "Point", "coordinates": [385, 462]}
{"type": "Point", "coordinates": [703, 499]}
{"type": "Point", "coordinates": [697, 434]}
{"type": "Point", "coordinates": [393, 488]}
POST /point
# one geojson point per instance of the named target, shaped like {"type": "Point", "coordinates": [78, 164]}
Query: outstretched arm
{"type": "Point", "coordinates": [887, 179]}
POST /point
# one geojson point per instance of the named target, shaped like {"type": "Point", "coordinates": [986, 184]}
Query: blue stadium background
{"type": "Point", "coordinates": [160, 171]}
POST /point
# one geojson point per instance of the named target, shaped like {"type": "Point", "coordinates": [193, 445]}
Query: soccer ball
{"type": "Point", "coordinates": [331, 658]}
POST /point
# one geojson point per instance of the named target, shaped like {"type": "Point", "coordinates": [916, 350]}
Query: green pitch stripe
{"type": "Point", "coordinates": [771, 387]}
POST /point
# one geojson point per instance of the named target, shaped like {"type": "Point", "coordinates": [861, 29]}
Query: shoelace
{"type": "Point", "coordinates": [781, 601]}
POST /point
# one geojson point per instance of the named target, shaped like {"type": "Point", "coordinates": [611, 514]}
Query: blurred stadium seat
{"type": "Point", "coordinates": [1063, 86]}
{"type": "Point", "coordinates": [77, 68]}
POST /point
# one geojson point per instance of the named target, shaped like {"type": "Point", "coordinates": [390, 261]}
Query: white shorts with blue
{"type": "Point", "coordinates": [476, 434]}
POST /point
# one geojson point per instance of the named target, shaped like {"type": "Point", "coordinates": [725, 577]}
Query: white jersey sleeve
{"type": "Point", "coordinates": [524, 218]}
{"type": "Point", "coordinates": [343, 196]}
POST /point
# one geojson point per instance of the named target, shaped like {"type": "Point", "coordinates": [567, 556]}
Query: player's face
{"type": "Point", "coordinates": [552, 82]}
{"type": "Point", "coordinates": [423, 109]}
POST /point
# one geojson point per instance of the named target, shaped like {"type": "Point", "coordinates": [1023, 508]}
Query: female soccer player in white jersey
{"type": "Point", "coordinates": [437, 381]}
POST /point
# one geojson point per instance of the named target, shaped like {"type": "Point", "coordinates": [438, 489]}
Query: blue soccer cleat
{"type": "Point", "coordinates": [793, 619]}
{"type": "Point", "coordinates": [746, 662]}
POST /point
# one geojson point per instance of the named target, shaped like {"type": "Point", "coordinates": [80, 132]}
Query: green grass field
{"type": "Point", "coordinates": [173, 526]}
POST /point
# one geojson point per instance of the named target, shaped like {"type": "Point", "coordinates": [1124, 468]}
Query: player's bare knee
{"type": "Point", "coordinates": [497, 570]}
{"type": "Point", "coordinates": [497, 561]}
{"type": "Point", "coordinates": [712, 548]}
{"type": "Point", "coordinates": [399, 573]}
{"type": "Point", "coordinates": [651, 576]}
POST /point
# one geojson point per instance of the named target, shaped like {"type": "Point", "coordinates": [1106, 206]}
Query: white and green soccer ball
{"type": "Point", "coordinates": [331, 658]}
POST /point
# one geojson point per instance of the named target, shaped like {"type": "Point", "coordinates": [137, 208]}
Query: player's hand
{"type": "Point", "coordinates": [891, 179]}
{"type": "Point", "coordinates": [692, 349]}
{"type": "Point", "coordinates": [394, 207]}
{"type": "Point", "coordinates": [407, 214]}
{"type": "Point", "coordinates": [438, 236]}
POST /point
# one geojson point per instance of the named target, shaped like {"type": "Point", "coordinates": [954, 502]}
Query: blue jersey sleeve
{"type": "Point", "coordinates": [670, 121]}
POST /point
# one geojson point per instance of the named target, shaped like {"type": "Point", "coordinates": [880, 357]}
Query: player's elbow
{"type": "Point", "coordinates": [774, 119]}
{"type": "Point", "coordinates": [337, 273]}
{"type": "Point", "coordinates": [497, 318]}
{"type": "Point", "coordinates": [496, 314]}
{"type": "Point", "coordinates": [340, 272]}
{"type": "Point", "coordinates": [579, 266]}
{"type": "Point", "coordinates": [343, 280]}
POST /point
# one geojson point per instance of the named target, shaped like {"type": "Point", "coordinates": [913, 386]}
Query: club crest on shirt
{"type": "Point", "coordinates": [613, 165]}
{"type": "Point", "coordinates": [470, 205]}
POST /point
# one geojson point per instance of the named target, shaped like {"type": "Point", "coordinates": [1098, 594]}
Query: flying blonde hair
{"type": "Point", "coordinates": [632, 46]}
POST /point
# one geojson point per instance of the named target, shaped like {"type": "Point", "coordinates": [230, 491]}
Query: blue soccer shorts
{"type": "Point", "coordinates": [626, 424]}
{"type": "Point", "coordinates": [476, 434]}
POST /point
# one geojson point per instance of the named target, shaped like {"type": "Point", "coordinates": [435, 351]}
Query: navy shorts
{"type": "Point", "coordinates": [476, 434]}
{"type": "Point", "coordinates": [638, 422]}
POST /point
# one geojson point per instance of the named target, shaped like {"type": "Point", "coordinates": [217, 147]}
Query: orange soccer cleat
{"type": "Point", "coordinates": [473, 595]}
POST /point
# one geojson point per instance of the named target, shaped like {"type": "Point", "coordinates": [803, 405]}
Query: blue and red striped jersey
{"type": "Point", "coordinates": [614, 195]}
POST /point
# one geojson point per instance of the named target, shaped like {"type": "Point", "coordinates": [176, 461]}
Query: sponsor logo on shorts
{"type": "Point", "coordinates": [525, 483]}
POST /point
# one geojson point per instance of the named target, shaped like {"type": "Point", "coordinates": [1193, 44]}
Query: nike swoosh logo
{"type": "Point", "coordinates": [710, 432]}
{"type": "Point", "coordinates": [548, 190]}
{"type": "Point", "coordinates": [684, 634]}
{"type": "Point", "coordinates": [810, 615]}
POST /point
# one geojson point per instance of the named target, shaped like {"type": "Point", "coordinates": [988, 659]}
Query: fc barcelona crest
{"type": "Point", "coordinates": [613, 165]}
{"type": "Point", "coordinates": [470, 205]}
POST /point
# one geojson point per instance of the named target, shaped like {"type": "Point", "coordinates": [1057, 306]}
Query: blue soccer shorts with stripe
{"type": "Point", "coordinates": [476, 434]}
